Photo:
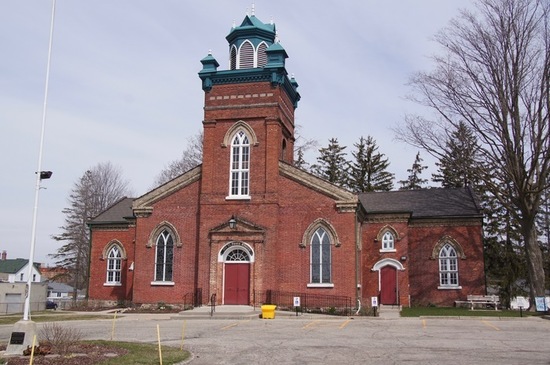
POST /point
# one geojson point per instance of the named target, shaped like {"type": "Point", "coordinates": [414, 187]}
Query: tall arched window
{"type": "Point", "coordinates": [448, 266]}
{"type": "Point", "coordinates": [114, 261]}
{"type": "Point", "coordinates": [164, 256]}
{"type": "Point", "coordinates": [240, 165]}
{"type": "Point", "coordinates": [320, 257]}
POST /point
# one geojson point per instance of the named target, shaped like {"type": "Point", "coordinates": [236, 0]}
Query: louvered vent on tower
{"type": "Point", "coordinates": [262, 56]}
{"type": "Point", "coordinates": [233, 58]}
{"type": "Point", "coordinates": [246, 56]}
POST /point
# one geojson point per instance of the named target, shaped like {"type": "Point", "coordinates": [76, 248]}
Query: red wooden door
{"type": "Point", "coordinates": [237, 279]}
{"type": "Point", "coordinates": [388, 285]}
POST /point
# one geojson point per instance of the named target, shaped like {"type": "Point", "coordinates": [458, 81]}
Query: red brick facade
{"type": "Point", "coordinates": [275, 222]}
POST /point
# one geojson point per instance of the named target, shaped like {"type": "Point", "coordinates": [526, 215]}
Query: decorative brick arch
{"type": "Point", "coordinates": [320, 222]}
{"type": "Point", "coordinates": [387, 228]}
{"type": "Point", "coordinates": [109, 246]}
{"type": "Point", "coordinates": [451, 241]}
{"type": "Point", "coordinates": [240, 125]}
{"type": "Point", "coordinates": [158, 230]}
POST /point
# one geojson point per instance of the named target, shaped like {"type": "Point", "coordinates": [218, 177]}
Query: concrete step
{"type": "Point", "coordinates": [389, 311]}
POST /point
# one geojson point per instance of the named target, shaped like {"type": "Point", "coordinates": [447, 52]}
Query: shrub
{"type": "Point", "coordinates": [60, 338]}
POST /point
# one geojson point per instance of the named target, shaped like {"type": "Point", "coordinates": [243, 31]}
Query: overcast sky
{"type": "Point", "coordinates": [124, 86]}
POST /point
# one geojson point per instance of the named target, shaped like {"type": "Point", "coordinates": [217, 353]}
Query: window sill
{"type": "Point", "coordinates": [388, 250]}
{"type": "Point", "coordinates": [322, 285]}
{"type": "Point", "coordinates": [237, 197]}
{"type": "Point", "coordinates": [112, 284]}
{"type": "Point", "coordinates": [449, 287]}
{"type": "Point", "coordinates": [162, 283]}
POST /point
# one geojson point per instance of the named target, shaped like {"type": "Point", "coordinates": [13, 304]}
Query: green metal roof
{"type": "Point", "coordinates": [252, 29]}
{"type": "Point", "coordinates": [12, 266]}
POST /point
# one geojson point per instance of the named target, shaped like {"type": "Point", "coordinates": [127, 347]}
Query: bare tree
{"type": "Point", "coordinates": [96, 190]}
{"type": "Point", "coordinates": [495, 76]}
{"type": "Point", "coordinates": [190, 158]}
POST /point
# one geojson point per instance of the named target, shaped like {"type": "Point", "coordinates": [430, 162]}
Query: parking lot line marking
{"type": "Point", "coordinates": [491, 325]}
{"type": "Point", "coordinates": [230, 326]}
{"type": "Point", "coordinates": [345, 323]}
{"type": "Point", "coordinates": [310, 324]}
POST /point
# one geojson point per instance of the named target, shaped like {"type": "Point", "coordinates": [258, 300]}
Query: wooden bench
{"type": "Point", "coordinates": [484, 300]}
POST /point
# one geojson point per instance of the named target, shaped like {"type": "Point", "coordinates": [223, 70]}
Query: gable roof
{"type": "Point", "coordinates": [117, 213]}
{"type": "Point", "coordinates": [423, 203]}
{"type": "Point", "coordinates": [343, 197]}
{"type": "Point", "coordinates": [12, 266]}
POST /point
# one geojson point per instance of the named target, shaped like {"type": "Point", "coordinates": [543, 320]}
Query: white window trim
{"type": "Point", "coordinates": [238, 197]}
{"type": "Point", "coordinates": [449, 287]}
{"type": "Point", "coordinates": [112, 284]}
{"type": "Point", "coordinates": [320, 285]}
{"type": "Point", "coordinates": [162, 283]}
{"type": "Point", "coordinates": [388, 250]}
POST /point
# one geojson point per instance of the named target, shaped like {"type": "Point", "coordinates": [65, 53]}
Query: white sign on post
{"type": "Point", "coordinates": [374, 301]}
{"type": "Point", "coordinates": [296, 301]}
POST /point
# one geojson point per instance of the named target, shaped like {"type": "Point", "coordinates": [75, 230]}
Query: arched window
{"type": "Point", "coordinates": [237, 255]}
{"type": "Point", "coordinates": [246, 55]}
{"type": "Point", "coordinates": [388, 241]}
{"type": "Point", "coordinates": [240, 165]}
{"type": "Point", "coordinates": [262, 56]}
{"type": "Point", "coordinates": [448, 266]}
{"type": "Point", "coordinates": [320, 257]}
{"type": "Point", "coordinates": [164, 256]}
{"type": "Point", "coordinates": [114, 264]}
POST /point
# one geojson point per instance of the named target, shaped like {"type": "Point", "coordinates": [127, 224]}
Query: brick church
{"type": "Point", "coordinates": [246, 221]}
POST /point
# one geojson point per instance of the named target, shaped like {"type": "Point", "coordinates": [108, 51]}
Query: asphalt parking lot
{"type": "Point", "coordinates": [334, 340]}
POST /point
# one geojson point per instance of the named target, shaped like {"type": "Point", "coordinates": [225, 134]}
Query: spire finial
{"type": "Point", "coordinates": [253, 10]}
{"type": "Point", "coordinates": [210, 52]}
{"type": "Point", "coordinates": [234, 24]}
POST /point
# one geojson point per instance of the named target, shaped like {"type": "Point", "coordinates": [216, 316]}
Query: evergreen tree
{"type": "Point", "coordinates": [414, 181]}
{"type": "Point", "coordinates": [300, 162]}
{"type": "Point", "coordinates": [369, 170]}
{"type": "Point", "coordinates": [505, 262]}
{"type": "Point", "coordinates": [459, 166]}
{"type": "Point", "coordinates": [332, 164]}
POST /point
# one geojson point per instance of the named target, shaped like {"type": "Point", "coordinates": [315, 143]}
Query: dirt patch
{"type": "Point", "coordinates": [81, 354]}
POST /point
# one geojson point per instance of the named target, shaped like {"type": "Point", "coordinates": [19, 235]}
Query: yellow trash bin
{"type": "Point", "coordinates": [268, 311]}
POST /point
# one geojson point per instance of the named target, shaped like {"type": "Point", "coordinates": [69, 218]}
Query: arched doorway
{"type": "Point", "coordinates": [388, 283]}
{"type": "Point", "coordinates": [236, 267]}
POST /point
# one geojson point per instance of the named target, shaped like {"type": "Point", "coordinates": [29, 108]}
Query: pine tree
{"type": "Point", "coordinates": [332, 164]}
{"type": "Point", "coordinates": [414, 181]}
{"type": "Point", "coordinates": [369, 170]}
{"type": "Point", "coordinates": [459, 166]}
{"type": "Point", "coordinates": [300, 162]}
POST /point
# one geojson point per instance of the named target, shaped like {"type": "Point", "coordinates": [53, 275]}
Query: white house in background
{"type": "Point", "coordinates": [17, 271]}
{"type": "Point", "coordinates": [59, 291]}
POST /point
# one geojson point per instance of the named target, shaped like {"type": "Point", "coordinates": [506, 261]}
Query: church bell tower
{"type": "Point", "coordinates": [248, 114]}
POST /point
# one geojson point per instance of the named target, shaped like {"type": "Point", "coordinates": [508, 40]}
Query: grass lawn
{"type": "Point", "coordinates": [460, 312]}
{"type": "Point", "coordinates": [144, 353]}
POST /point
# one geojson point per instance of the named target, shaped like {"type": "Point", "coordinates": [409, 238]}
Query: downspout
{"type": "Point", "coordinates": [357, 261]}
